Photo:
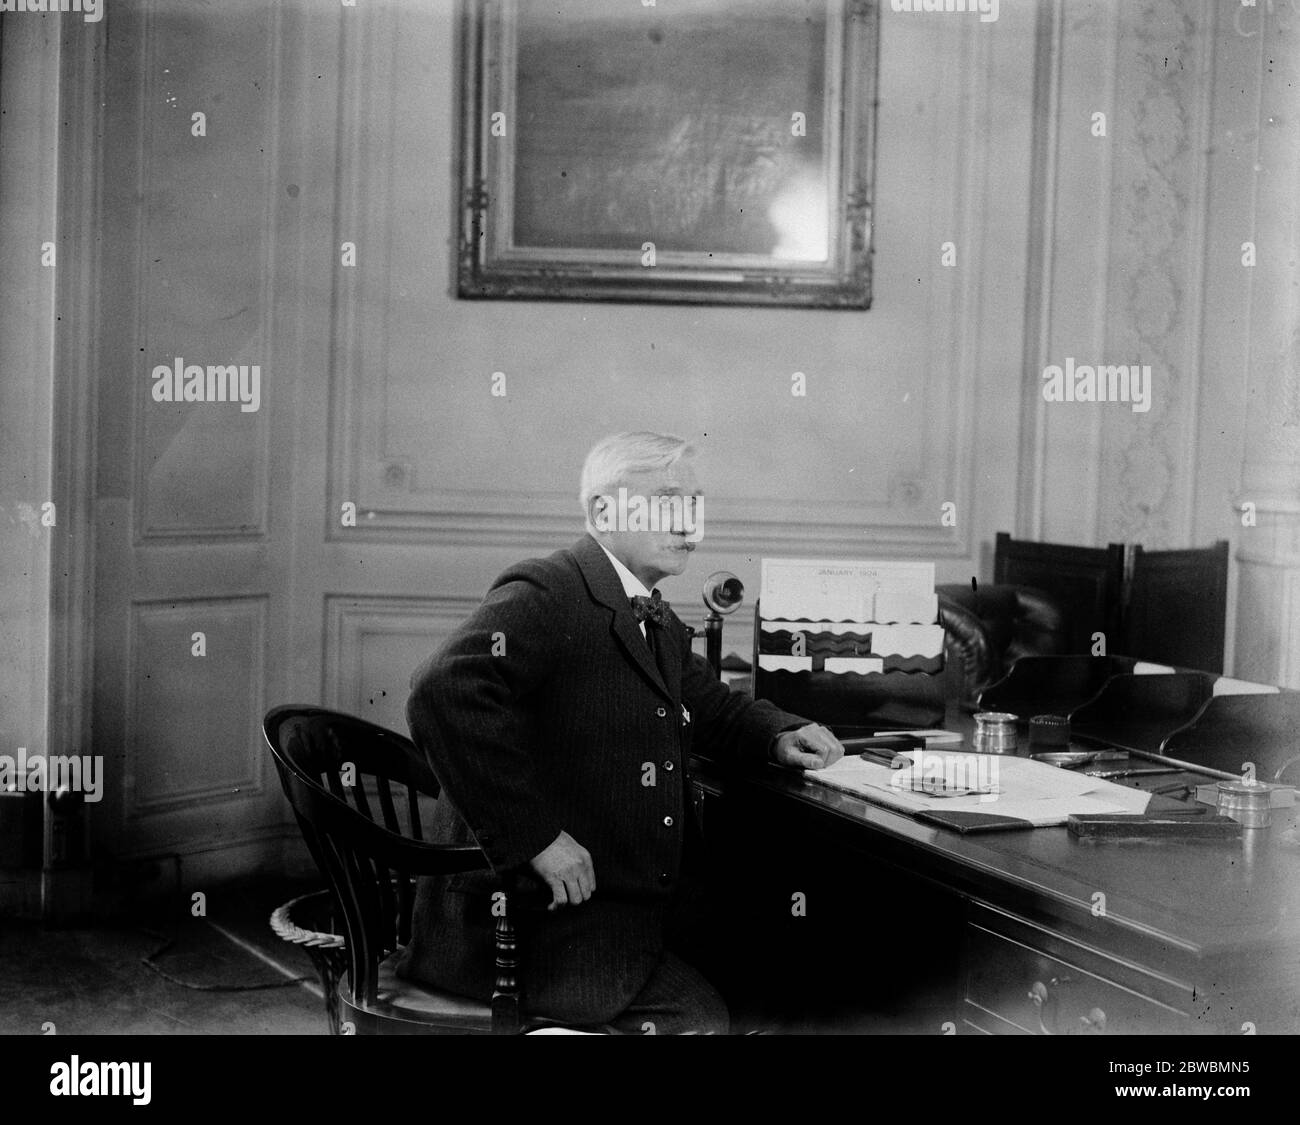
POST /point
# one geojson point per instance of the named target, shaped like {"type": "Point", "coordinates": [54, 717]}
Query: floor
{"type": "Point", "coordinates": [228, 973]}
{"type": "Point", "coordinates": [95, 980]}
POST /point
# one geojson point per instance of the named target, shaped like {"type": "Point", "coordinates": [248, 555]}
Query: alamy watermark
{"type": "Point", "coordinates": [76, 1078]}
{"type": "Point", "coordinates": [42, 773]}
{"type": "Point", "coordinates": [182, 382]}
{"type": "Point", "coordinates": [987, 9]}
{"type": "Point", "coordinates": [1083, 382]}
{"type": "Point", "coordinates": [91, 10]}
{"type": "Point", "coordinates": [673, 513]}
{"type": "Point", "coordinates": [949, 775]}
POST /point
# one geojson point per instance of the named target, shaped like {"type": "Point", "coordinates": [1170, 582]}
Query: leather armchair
{"type": "Point", "coordinates": [989, 628]}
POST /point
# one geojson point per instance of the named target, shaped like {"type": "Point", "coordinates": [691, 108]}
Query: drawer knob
{"type": "Point", "coordinates": [1040, 997]}
{"type": "Point", "coordinates": [1038, 994]}
{"type": "Point", "coordinates": [1094, 1021]}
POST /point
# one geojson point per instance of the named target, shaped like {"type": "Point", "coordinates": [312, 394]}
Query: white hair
{"type": "Point", "coordinates": [614, 459]}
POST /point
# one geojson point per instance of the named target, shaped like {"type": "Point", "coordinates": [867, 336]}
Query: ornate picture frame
{"type": "Point", "coordinates": [699, 151]}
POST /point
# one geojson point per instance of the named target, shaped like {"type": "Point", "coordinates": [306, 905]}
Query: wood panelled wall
{"type": "Point", "coordinates": [326, 124]}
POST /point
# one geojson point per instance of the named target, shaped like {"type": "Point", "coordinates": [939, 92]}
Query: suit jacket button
{"type": "Point", "coordinates": [668, 766]}
{"type": "Point", "coordinates": [661, 712]}
{"type": "Point", "coordinates": [664, 878]}
{"type": "Point", "coordinates": [668, 821]}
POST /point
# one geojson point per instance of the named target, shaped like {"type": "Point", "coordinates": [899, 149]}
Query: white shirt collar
{"type": "Point", "coordinates": [632, 585]}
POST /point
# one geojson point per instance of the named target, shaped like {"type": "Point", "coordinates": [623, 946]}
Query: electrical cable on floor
{"type": "Point", "coordinates": [169, 942]}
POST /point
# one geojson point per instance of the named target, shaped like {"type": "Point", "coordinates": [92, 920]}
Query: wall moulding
{"type": "Point", "coordinates": [174, 621]}
{"type": "Point", "coordinates": [157, 130]}
{"type": "Point", "coordinates": [403, 496]}
{"type": "Point", "coordinates": [351, 618]}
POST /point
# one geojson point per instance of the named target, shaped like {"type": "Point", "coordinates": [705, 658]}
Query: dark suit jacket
{"type": "Point", "coordinates": [569, 726]}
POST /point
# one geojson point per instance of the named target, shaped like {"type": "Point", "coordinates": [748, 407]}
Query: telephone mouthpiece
{"type": "Point", "coordinates": [723, 591]}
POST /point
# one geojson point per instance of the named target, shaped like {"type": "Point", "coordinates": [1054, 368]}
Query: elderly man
{"type": "Point", "coordinates": [560, 719]}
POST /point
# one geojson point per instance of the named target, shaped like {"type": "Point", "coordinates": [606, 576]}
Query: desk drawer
{"type": "Point", "coordinates": [1014, 985]}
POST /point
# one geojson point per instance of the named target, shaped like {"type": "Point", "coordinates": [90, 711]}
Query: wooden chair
{"type": "Point", "coordinates": [1177, 606]}
{"type": "Point", "coordinates": [1232, 729]}
{"type": "Point", "coordinates": [988, 628]}
{"type": "Point", "coordinates": [1051, 685]}
{"type": "Point", "coordinates": [335, 769]}
{"type": "Point", "coordinates": [1088, 582]}
{"type": "Point", "coordinates": [1138, 712]}
{"type": "Point", "coordinates": [308, 922]}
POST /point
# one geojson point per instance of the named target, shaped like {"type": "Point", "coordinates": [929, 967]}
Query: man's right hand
{"type": "Point", "coordinates": [566, 867]}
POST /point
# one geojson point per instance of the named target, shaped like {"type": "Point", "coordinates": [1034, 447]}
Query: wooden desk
{"type": "Point", "coordinates": [1059, 936]}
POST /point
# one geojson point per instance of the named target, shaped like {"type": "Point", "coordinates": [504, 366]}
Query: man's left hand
{"type": "Point", "coordinates": [812, 747]}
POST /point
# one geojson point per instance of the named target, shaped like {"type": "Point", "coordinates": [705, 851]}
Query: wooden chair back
{"type": "Point", "coordinates": [1088, 582]}
{"type": "Point", "coordinates": [356, 790]}
{"type": "Point", "coordinates": [1177, 606]}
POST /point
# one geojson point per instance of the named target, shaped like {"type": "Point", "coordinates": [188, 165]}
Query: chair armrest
{"type": "Point", "coordinates": [968, 640]}
{"type": "Point", "coordinates": [418, 857]}
{"type": "Point", "coordinates": [1040, 625]}
{"type": "Point", "coordinates": [397, 852]}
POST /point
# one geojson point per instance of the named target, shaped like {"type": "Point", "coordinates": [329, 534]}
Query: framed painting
{"type": "Point", "coordinates": [708, 151]}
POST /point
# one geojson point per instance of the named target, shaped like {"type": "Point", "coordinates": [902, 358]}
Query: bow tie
{"type": "Point", "coordinates": [653, 608]}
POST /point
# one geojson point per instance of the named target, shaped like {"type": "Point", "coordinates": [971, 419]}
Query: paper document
{"type": "Point", "coordinates": [838, 590]}
{"type": "Point", "coordinates": [990, 783]}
